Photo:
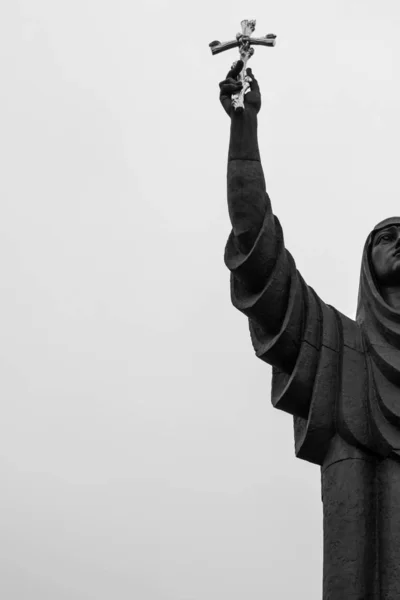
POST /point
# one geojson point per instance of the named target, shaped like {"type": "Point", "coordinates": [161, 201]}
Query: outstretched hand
{"type": "Point", "coordinates": [230, 86]}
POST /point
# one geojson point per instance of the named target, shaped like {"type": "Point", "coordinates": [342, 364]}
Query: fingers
{"type": "Point", "coordinates": [253, 82]}
{"type": "Point", "coordinates": [227, 88]}
{"type": "Point", "coordinates": [230, 86]}
{"type": "Point", "coordinates": [253, 97]}
{"type": "Point", "coordinates": [226, 103]}
{"type": "Point", "coordinates": [235, 70]}
{"type": "Point", "coordinates": [253, 100]}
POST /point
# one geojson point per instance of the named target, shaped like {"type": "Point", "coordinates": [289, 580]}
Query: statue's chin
{"type": "Point", "coordinates": [391, 278]}
{"type": "Point", "coordinates": [390, 284]}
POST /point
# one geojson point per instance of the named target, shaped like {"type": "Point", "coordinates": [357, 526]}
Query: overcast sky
{"type": "Point", "coordinates": [140, 457]}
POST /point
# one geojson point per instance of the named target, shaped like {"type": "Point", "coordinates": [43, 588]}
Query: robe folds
{"type": "Point", "coordinates": [340, 379]}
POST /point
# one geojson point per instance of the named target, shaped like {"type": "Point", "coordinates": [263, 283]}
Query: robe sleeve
{"type": "Point", "coordinates": [290, 327]}
{"type": "Point", "coordinates": [292, 330]}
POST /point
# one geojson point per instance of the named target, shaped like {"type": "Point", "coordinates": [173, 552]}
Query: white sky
{"type": "Point", "coordinates": [140, 456]}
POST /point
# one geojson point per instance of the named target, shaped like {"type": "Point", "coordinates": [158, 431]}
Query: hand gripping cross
{"type": "Point", "coordinates": [245, 43]}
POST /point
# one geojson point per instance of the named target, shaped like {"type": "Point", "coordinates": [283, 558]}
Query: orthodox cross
{"type": "Point", "coordinates": [244, 42]}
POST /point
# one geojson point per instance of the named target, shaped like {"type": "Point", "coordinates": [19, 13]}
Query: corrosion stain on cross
{"type": "Point", "coordinates": [244, 42]}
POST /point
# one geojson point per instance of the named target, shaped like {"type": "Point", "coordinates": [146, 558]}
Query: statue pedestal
{"type": "Point", "coordinates": [361, 497]}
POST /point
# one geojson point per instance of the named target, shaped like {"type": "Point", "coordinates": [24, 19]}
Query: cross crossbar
{"type": "Point", "coordinates": [244, 42]}
{"type": "Point", "coordinates": [268, 40]}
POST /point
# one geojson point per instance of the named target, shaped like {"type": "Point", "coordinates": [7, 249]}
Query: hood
{"type": "Point", "coordinates": [380, 326]}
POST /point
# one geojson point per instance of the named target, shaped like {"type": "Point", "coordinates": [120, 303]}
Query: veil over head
{"type": "Point", "coordinates": [380, 327]}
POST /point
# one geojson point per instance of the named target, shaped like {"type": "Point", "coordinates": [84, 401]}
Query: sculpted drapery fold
{"type": "Point", "coordinates": [322, 374]}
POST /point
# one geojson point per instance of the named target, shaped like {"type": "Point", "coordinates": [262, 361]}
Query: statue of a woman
{"type": "Point", "coordinates": [339, 378]}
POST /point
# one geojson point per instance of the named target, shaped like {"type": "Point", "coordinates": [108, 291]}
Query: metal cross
{"type": "Point", "coordinates": [244, 42]}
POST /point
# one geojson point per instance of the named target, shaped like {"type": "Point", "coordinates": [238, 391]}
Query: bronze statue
{"type": "Point", "coordinates": [339, 378]}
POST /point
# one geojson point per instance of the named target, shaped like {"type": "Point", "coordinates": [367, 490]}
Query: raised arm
{"type": "Point", "coordinates": [264, 284]}
{"type": "Point", "coordinates": [290, 327]}
{"type": "Point", "coordinates": [248, 201]}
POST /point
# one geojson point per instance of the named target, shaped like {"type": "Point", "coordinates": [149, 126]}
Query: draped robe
{"type": "Point", "coordinates": [340, 379]}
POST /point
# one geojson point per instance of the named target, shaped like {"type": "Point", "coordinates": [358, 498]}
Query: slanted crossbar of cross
{"type": "Point", "coordinates": [244, 42]}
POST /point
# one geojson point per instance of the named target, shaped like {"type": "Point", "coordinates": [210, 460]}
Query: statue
{"type": "Point", "coordinates": [339, 378]}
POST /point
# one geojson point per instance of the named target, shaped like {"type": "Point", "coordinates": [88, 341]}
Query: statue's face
{"type": "Point", "coordinates": [385, 255]}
